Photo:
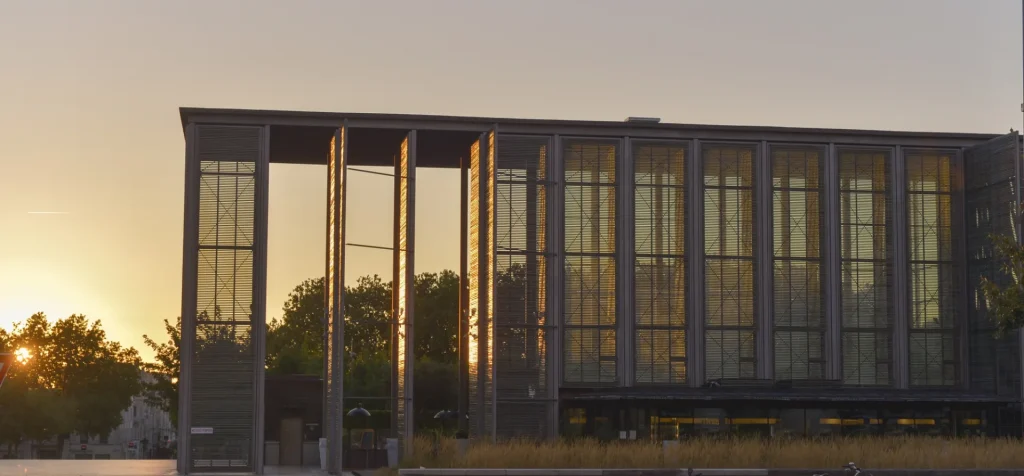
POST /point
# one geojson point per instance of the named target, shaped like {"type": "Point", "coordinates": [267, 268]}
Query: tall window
{"type": "Point", "coordinates": [866, 295]}
{"type": "Point", "coordinates": [660, 266]}
{"type": "Point", "coordinates": [933, 286]}
{"type": "Point", "coordinates": [798, 290]}
{"type": "Point", "coordinates": [590, 213]}
{"type": "Point", "coordinates": [730, 327]}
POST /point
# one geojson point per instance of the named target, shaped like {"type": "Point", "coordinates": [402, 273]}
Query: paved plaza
{"type": "Point", "coordinates": [59, 467]}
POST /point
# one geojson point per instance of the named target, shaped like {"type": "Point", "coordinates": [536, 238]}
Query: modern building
{"type": "Point", "coordinates": [634, 280]}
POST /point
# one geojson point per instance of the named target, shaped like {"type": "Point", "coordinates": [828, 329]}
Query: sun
{"type": "Point", "coordinates": [23, 355]}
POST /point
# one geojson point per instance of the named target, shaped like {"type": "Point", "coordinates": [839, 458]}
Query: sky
{"type": "Point", "coordinates": [89, 97]}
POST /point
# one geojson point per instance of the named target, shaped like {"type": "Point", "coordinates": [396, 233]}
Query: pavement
{"type": "Point", "coordinates": [67, 467]}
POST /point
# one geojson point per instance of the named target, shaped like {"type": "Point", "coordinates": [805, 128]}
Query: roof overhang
{"type": "Point", "coordinates": [443, 141]}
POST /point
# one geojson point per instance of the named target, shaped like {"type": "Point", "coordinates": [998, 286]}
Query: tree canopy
{"type": "Point", "coordinates": [75, 380]}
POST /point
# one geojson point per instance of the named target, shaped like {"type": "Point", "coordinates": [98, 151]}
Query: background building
{"type": "Point", "coordinates": [630, 280]}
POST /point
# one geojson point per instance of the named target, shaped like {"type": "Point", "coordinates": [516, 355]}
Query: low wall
{"type": "Point", "coordinates": [702, 472]}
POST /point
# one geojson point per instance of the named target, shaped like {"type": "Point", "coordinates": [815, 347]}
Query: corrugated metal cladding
{"type": "Point", "coordinates": [991, 186]}
{"type": "Point", "coordinates": [524, 399]}
{"type": "Point", "coordinates": [223, 390]}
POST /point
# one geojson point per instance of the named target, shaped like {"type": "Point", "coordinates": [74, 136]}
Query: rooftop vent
{"type": "Point", "coordinates": [645, 120]}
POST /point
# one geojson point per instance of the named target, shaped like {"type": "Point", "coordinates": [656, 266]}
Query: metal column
{"type": "Point", "coordinates": [190, 257]}
{"type": "Point", "coordinates": [763, 293]}
{"type": "Point", "coordinates": [477, 278]}
{"type": "Point", "coordinates": [405, 288]}
{"type": "Point", "coordinates": [335, 294]}
{"type": "Point", "coordinates": [901, 305]}
{"type": "Point", "coordinates": [626, 184]}
{"type": "Point", "coordinates": [258, 335]}
{"type": "Point", "coordinates": [695, 263]}
{"type": "Point", "coordinates": [463, 424]}
{"type": "Point", "coordinates": [555, 268]}
{"type": "Point", "coordinates": [833, 269]}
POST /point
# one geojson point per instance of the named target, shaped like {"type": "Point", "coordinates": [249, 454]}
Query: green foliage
{"type": "Point", "coordinates": [76, 380]}
{"type": "Point", "coordinates": [1004, 292]}
{"type": "Point", "coordinates": [295, 343]}
{"type": "Point", "coordinates": [162, 391]}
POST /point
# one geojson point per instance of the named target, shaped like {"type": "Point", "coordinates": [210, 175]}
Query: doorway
{"type": "Point", "coordinates": [291, 441]}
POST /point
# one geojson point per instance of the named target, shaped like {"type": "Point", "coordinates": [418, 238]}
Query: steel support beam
{"type": "Point", "coordinates": [463, 424]}
{"type": "Point", "coordinates": [962, 323]}
{"type": "Point", "coordinates": [258, 335]}
{"type": "Point", "coordinates": [833, 268]}
{"type": "Point", "coordinates": [626, 252]}
{"type": "Point", "coordinates": [189, 278]}
{"type": "Point", "coordinates": [763, 270]}
{"type": "Point", "coordinates": [901, 308]}
{"type": "Point", "coordinates": [555, 247]}
{"type": "Point", "coordinates": [405, 287]}
{"type": "Point", "coordinates": [335, 282]}
{"type": "Point", "coordinates": [695, 263]}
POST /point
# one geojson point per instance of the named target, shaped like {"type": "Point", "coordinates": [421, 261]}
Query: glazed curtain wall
{"type": "Point", "coordinates": [590, 307]}
{"type": "Point", "coordinates": [660, 261]}
{"type": "Point", "coordinates": [797, 244]}
{"type": "Point", "coordinates": [798, 273]}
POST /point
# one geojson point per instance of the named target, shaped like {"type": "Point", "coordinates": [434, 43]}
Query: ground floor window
{"type": "Point", "coordinates": [625, 420]}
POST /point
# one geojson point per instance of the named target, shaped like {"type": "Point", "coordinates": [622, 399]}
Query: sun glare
{"type": "Point", "coordinates": [22, 354]}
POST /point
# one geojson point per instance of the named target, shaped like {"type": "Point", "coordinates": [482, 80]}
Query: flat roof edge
{"type": "Point", "coordinates": [321, 118]}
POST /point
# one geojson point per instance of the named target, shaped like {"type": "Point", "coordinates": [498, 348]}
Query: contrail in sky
{"type": "Point", "coordinates": [47, 213]}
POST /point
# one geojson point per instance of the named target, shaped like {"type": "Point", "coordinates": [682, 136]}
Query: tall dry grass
{"type": "Point", "coordinates": [898, 452]}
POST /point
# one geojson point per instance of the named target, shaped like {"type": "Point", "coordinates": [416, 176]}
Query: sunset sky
{"type": "Point", "coordinates": [89, 97]}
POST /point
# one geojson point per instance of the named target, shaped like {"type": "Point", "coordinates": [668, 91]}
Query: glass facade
{"type": "Point", "coordinates": [590, 319]}
{"type": "Point", "coordinates": [729, 239]}
{"type": "Point", "coordinates": [799, 293]}
{"type": "Point", "coordinates": [933, 272]}
{"type": "Point", "coordinates": [660, 261]}
{"type": "Point", "coordinates": [866, 260]}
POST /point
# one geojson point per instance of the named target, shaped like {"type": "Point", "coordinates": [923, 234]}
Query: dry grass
{"type": "Point", "coordinates": [902, 452]}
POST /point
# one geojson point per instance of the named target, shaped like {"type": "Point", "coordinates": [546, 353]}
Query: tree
{"type": "Point", "coordinates": [162, 390]}
{"type": "Point", "coordinates": [75, 370]}
{"type": "Point", "coordinates": [1004, 290]}
{"type": "Point", "coordinates": [436, 322]}
{"type": "Point", "coordinates": [295, 343]}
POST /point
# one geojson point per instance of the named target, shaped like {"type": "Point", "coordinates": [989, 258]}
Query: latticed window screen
{"type": "Point", "coordinates": [729, 236]}
{"type": "Point", "coordinates": [798, 278]}
{"type": "Point", "coordinates": [933, 283]}
{"type": "Point", "coordinates": [520, 320]}
{"type": "Point", "coordinates": [865, 254]}
{"type": "Point", "coordinates": [222, 366]}
{"type": "Point", "coordinates": [660, 267]}
{"type": "Point", "coordinates": [589, 287]}
{"type": "Point", "coordinates": [990, 194]}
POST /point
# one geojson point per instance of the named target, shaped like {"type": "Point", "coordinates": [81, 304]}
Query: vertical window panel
{"type": "Point", "coordinates": [589, 281]}
{"type": "Point", "coordinates": [933, 285]}
{"type": "Point", "coordinates": [799, 308]}
{"type": "Point", "coordinates": [520, 319]}
{"type": "Point", "coordinates": [866, 267]}
{"type": "Point", "coordinates": [729, 237]}
{"type": "Point", "coordinates": [660, 261]}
